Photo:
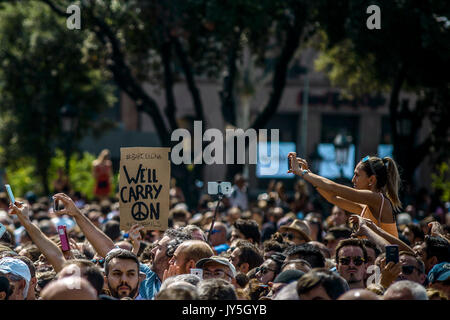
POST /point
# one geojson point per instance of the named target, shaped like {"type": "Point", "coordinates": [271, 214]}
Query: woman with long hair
{"type": "Point", "coordinates": [374, 194]}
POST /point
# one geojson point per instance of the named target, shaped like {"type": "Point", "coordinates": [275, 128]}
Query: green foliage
{"type": "Point", "coordinates": [80, 172]}
{"type": "Point", "coordinates": [22, 178]}
{"type": "Point", "coordinates": [42, 68]}
{"type": "Point", "coordinates": [441, 181]}
{"type": "Point", "coordinates": [348, 71]}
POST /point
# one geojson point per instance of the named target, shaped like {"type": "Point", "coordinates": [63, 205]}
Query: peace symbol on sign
{"type": "Point", "coordinates": [137, 211]}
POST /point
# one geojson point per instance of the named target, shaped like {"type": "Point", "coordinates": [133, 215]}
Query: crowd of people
{"type": "Point", "coordinates": [278, 247]}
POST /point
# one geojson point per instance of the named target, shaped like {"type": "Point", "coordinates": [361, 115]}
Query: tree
{"type": "Point", "coordinates": [43, 67]}
{"type": "Point", "coordinates": [161, 42]}
{"type": "Point", "coordinates": [409, 52]}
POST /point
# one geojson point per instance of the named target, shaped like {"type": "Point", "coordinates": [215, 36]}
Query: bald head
{"type": "Point", "coordinates": [405, 290]}
{"type": "Point", "coordinates": [70, 288]}
{"type": "Point", "coordinates": [359, 294]}
{"type": "Point", "coordinates": [195, 250]}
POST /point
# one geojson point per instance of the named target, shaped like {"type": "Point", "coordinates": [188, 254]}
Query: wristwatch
{"type": "Point", "coordinates": [305, 171]}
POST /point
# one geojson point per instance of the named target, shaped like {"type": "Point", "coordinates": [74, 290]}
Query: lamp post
{"type": "Point", "coordinates": [341, 148]}
{"type": "Point", "coordinates": [69, 123]}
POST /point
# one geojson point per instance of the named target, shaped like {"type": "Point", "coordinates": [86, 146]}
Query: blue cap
{"type": "Point", "coordinates": [440, 272]}
{"type": "Point", "coordinates": [18, 268]}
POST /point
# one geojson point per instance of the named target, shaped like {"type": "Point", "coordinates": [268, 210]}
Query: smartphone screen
{"type": "Point", "coordinates": [392, 253]}
{"type": "Point", "coordinates": [63, 237]}
{"type": "Point", "coordinates": [10, 194]}
{"type": "Point", "coordinates": [2, 230]}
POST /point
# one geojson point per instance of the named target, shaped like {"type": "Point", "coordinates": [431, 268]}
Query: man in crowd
{"type": "Point", "coordinates": [439, 278]}
{"type": "Point", "coordinates": [186, 256]}
{"type": "Point", "coordinates": [238, 197]}
{"type": "Point", "coordinates": [247, 230]}
{"type": "Point", "coordinates": [297, 232]}
{"type": "Point", "coordinates": [351, 257]}
{"type": "Point", "coordinates": [413, 268]}
{"type": "Point", "coordinates": [217, 267]}
{"type": "Point", "coordinates": [270, 227]}
{"type": "Point", "coordinates": [245, 257]}
{"type": "Point", "coordinates": [334, 235]}
{"type": "Point", "coordinates": [321, 284]}
{"type": "Point", "coordinates": [18, 274]}
{"type": "Point", "coordinates": [218, 236]}
{"type": "Point", "coordinates": [282, 280]}
{"type": "Point", "coordinates": [306, 252]}
{"type": "Point", "coordinates": [69, 288]}
{"type": "Point", "coordinates": [122, 273]}
{"type": "Point", "coordinates": [434, 250]}
{"type": "Point", "coordinates": [405, 290]}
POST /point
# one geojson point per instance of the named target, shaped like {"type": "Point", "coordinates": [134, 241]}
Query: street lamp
{"type": "Point", "coordinates": [342, 144]}
{"type": "Point", "coordinates": [69, 124]}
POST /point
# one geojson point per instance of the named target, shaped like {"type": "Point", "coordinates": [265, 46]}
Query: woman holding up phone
{"type": "Point", "coordinates": [374, 195]}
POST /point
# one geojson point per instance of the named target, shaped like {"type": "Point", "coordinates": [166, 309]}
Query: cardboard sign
{"type": "Point", "coordinates": [144, 186]}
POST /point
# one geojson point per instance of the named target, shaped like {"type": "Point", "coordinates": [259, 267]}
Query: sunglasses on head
{"type": "Point", "coordinates": [367, 158]}
{"type": "Point", "coordinates": [357, 261]}
{"type": "Point", "coordinates": [407, 270]}
{"type": "Point", "coordinates": [264, 270]}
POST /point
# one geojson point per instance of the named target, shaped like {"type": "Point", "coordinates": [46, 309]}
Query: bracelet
{"type": "Point", "coordinates": [304, 171]}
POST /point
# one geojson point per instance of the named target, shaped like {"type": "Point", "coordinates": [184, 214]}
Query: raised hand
{"type": "Point", "coordinates": [389, 272]}
{"type": "Point", "coordinates": [360, 225]}
{"type": "Point", "coordinates": [20, 209]}
{"type": "Point", "coordinates": [134, 232]}
{"type": "Point", "coordinates": [69, 206]}
{"type": "Point", "coordinates": [172, 271]}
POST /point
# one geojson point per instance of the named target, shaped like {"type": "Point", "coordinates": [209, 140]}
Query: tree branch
{"type": "Point", "coordinates": [123, 75]}
{"type": "Point", "coordinates": [170, 110]}
{"type": "Point", "coordinates": [187, 69]}
{"type": "Point", "coordinates": [279, 78]}
{"type": "Point", "coordinates": [227, 95]}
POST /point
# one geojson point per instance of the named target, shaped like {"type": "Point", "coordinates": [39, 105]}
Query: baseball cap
{"type": "Point", "coordinates": [16, 267]}
{"type": "Point", "coordinates": [288, 276]}
{"type": "Point", "coordinates": [219, 260]}
{"type": "Point", "coordinates": [439, 272]}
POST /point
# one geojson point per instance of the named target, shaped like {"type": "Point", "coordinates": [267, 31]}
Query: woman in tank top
{"type": "Point", "coordinates": [375, 193]}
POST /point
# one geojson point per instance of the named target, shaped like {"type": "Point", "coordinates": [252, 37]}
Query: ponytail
{"type": "Point", "coordinates": [393, 182]}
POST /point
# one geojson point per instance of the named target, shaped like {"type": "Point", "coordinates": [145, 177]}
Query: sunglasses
{"type": "Point", "coordinates": [264, 270]}
{"type": "Point", "coordinates": [357, 261]}
{"type": "Point", "coordinates": [289, 236]}
{"type": "Point", "coordinates": [215, 274]}
{"type": "Point", "coordinates": [100, 261]}
{"type": "Point", "coordinates": [213, 231]}
{"type": "Point", "coordinates": [407, 270]}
